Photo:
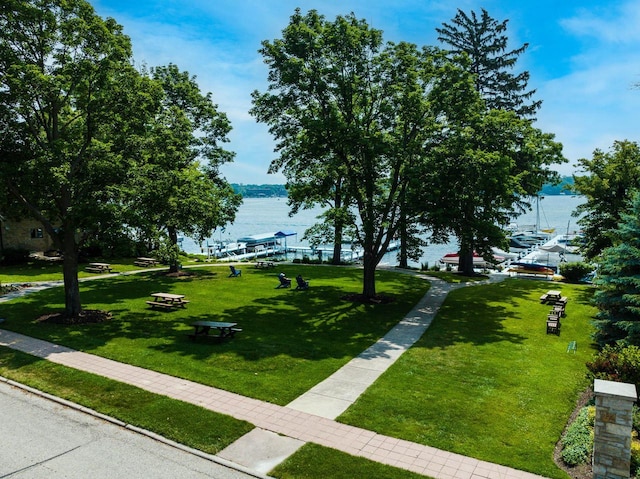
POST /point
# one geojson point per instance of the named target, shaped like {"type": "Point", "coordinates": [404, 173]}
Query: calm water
{"type": "Point", "coordinates": [264, 215]}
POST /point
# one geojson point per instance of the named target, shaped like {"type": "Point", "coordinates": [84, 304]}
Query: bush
{"type": "Point", "coordinates": [635, 454]}
{"type": "Point", "coordinates": [575, 271]}
{"type": "Point", "coordinates": [14, 256]}
{"type": "Point", "coordinates": [617, 363]}
{"type": "Point", "coordinates": [577, 442]}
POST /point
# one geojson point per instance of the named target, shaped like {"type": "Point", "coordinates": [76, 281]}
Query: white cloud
{"type": "Point", "coordinates": [609, 23]}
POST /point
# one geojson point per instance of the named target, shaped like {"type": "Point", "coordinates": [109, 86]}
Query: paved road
{"type": "Point", "coordinates": [43, 439]}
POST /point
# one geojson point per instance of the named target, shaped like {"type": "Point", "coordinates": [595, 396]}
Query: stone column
{"type": "Point", "coordinates": [612, 432]}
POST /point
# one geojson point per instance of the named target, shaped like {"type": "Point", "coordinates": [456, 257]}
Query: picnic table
{"type": "Point", "coordinates": [99, 267]}
{"type": "Point", "coordinates": [167, 300]}
{"type": "Point", "coordinates": [265, 264]}
{"type": "Point", "coordinates": [224, 329]}
{"type": "Point", "coordinates": [551, 296]}
{"type": "Point", "coordinates": [142, 261]}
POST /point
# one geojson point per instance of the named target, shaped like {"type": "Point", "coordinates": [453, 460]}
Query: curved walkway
{"type": "Point", "coordinates": [281, 430]}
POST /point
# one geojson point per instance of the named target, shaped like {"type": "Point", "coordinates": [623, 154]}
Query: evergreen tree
{"type": "Point", "coordinates": [618, 282]}
{"type": "Point", "coordinates": [607, 184]}
{"type": "Point", "coordinates": [484, 41]}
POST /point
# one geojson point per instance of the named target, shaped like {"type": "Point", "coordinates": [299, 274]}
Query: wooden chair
{"type": "Point", "coordinates": [553, 327]}
{"type": "Point", "coordinates": [284, 281]}
{"type": "Point", "coordinates": [234, 272]}
{"type": "Point", "coordinates": [302, 284]}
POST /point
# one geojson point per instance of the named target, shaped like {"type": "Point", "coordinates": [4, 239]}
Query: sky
{"type": "Point", "coordinates": [583, 59]}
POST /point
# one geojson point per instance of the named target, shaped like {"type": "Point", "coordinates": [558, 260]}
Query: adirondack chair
{"type": "Point", "coordinates": [234, 272]}
{"type": "Point", "coordinates": [284, 281]}
{"type": "Point", "coordinates": [302, 284]}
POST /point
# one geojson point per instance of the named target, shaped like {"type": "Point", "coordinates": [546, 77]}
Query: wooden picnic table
{"type": "Point", "coordinates": [142, 261]}
{"type": "Point", "coordinates": [551, 296]}
{"type": "Point", "coordinates": [99, 267]}
{"type": "Point", "coordinates": [167, 300]}
{"type": "Point", "coordinates": [224, 329]}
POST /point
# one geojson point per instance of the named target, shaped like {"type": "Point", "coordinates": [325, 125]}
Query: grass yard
{"type": "Point", "coordinates": [317, 462]}
{"type": "Point", "coordinates": [51, 270]}
{"type": "Point", "coordinates": [486, 380]}
{"type": "Point", "coordinates": [290, 341]}
{"type": "Point", "coordinates": [182, 422]}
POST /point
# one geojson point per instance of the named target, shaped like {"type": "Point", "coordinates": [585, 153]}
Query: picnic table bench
{"type": "Point", "coordinates": [167, 300]}
{"type": "Point", "coordinates": [224, 329]}
{"type": "Point", "coordinates": [553, 297]}
{"type": "Point", "coordinates": [265, 264]}
{"type": "Point", "coordinates": [99, 267]}
{"type": "Point", "coordinates": [145, 261]}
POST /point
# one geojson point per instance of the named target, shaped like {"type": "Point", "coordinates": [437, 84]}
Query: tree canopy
{"type": "Point", "coordinates": [607, 183]}
{"type": "Point", "coordinates": [180, 159]}
{"type": "Point", "coordinates": [484, 41]}
{"type": "Point", "coordinates": [618, 282]}
{"type": "Point", "coordinates": [71, 107]}
{"type": "Point", "coordinates": [90, 145]}
{"type": "Point", "coordinates": [349, 114]}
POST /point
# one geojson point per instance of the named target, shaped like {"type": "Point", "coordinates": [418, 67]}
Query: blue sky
{"type": "Point", "coordinates": [583, 58]}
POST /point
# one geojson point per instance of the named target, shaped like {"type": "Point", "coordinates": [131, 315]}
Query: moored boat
{"type": "Point", "coordinates": [525, 267]}
{"type": "Point", "coordinates": [478, 261]}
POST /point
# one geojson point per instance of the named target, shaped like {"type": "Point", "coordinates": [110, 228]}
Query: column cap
{"type": "Point", "coordinates": [612, 388]}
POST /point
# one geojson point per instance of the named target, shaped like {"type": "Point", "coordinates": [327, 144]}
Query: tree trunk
{"type": "Point", "coordinates": [337, 244]}
{"type": "Point", "coordinates": [173, 239]}
{"type": "Point", "coordinates": [403, 255]}
{"type": "Point", "coordinates": [338, 225]}
{"type": "Point", "coordinates": [369, 275]}
{"type": "Point", "coordinates": [465, 261]}
{"type": "Point", "coordinates": [72, 305]}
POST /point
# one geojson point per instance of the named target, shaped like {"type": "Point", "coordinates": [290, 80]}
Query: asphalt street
{"type": "Point", "coordinates": [44, 439]}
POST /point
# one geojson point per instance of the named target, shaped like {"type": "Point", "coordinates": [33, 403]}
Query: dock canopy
{"type": "Point", "coordinates": [266, 240]}
{"type": "Point", "coordinates": [285, 233]}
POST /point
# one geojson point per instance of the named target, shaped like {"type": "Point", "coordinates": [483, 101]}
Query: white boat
{"type": "Point", "coordinates": [478, 261]}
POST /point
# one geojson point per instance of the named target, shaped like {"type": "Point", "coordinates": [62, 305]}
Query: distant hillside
{"type": "Point", "coordinates": [260, 191]}
{"type": "Point", "coordinates": [564, 188]}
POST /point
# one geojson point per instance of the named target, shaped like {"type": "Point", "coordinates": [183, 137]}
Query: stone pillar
{"type": "Point", "coordinates": [612, 432]}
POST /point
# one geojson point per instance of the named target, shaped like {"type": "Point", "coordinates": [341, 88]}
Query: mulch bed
{"type": "Point", "coordinates": [581, 471]}
{"type": "Point", "coordinates": [360, 298]}
{"type": "Point", "coordinates": [86, 316]}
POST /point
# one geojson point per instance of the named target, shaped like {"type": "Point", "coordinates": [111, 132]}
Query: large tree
{"type": "Point", "coordinates": [618, 282]}
{"type": "Point", "coordinates": [349, 114]}
{"type": "Point", "coordinates": [484, 41]}
{"type": "Point", "coordinates": [71, 106]}
{"type": "Point", "coordinates": [481, 46]}
{"type": "Point", "coordinates": [178, 187]}
{"type": "Point", "coordinates": [606, 181]}
{"type": "Point", "coordinates": [475, 178]}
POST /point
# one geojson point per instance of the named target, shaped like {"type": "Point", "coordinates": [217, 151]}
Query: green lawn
{"type": "Point", "coordinates": [179, 421]}
{"type": "Point", "coordinates": [486, 380]}
{"type": "Point", "coordinates": [290, 341]}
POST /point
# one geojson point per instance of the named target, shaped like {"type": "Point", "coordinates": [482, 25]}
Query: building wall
{"type": "Point", "coordinates": [25, 234]}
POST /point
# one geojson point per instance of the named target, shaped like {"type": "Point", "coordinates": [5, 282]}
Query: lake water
{"type": "Point", "coordinates": [265, 215]}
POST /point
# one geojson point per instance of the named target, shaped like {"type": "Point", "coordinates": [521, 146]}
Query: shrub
{"type": "Point", "coordinates": [617, 363]}
{"type": "Point", "coordinates": [575, 271]}
{"type": "Point", "coordinates": [15, 256]}
{"type": "Point", "coordinates": [577, 442]}
{"type": "Point", "coordinates": [635, 456]}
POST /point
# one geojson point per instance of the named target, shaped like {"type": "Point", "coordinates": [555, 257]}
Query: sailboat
{"type": "Point", "coordinates": [546, 230]}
